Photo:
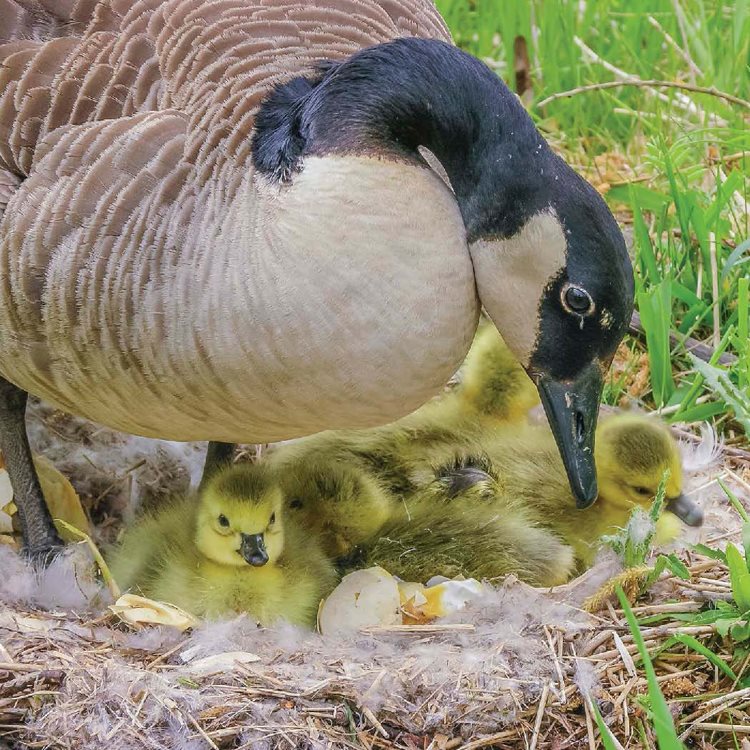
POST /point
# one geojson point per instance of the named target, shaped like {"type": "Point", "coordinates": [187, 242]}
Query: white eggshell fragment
{"type": "Point", "coordinates": [364, 599]}
{"type": "Point", "coordinates": [220, 663]}
{"type": "Point", "coordinates": [138, 611]}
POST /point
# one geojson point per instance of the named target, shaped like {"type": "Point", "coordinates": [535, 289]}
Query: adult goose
{"type": "Point", "coordinates": [223, 219]}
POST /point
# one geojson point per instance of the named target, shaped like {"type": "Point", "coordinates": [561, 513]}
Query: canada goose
{"type": "Point", "coordinates": [235, 550]}
{"type": "Point", "coordinates": [225, 226]}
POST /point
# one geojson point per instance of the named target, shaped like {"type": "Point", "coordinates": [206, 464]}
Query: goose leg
{"type": "Point", "coordinates": [40, 537]}
{"type": "Point", "coordinates": [217, 456]}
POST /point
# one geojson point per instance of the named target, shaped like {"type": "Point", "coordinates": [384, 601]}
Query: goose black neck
{"type": "Point", "coordinates": [391, 99]}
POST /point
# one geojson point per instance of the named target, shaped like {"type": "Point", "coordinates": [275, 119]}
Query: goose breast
{"type": "Point", "coordinates": [152, 282]}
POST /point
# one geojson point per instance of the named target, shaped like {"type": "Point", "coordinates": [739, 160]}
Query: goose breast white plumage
{"type": "Point", "coordinates": [149, 280]}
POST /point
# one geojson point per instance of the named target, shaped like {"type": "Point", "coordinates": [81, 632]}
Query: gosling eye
{"type": "Point", "coordinates": [577, 301]}
{"type": "Point", "coordinates": [295, 503]}
{"type": "Point", "coordinates": [272, 519]}
{"type": "Point", "coordinates": [645, 491]}
{"type": "Point", "coordinates": [223, 521]}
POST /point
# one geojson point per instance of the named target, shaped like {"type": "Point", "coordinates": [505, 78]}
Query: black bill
{"type": "Point", "coordinates": [572, 409]}
{"type": "Point", "coordinates": [253, 549]}
{"type": "Point", "coordinates": [686, 510]}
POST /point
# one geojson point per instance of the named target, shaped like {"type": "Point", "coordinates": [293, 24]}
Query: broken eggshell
{"type": "Point", "coordinates": [138, 611]}
{"type": "Point", "coordinates": [364, 599]}
{"type": "Point", "coordinates": [374, 598]}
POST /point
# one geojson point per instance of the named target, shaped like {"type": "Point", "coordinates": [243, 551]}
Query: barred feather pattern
{"type": "Point", "coordinates": [125, 132]}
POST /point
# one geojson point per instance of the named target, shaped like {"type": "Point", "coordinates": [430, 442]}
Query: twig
{"type": "Point", "coordinates": [491, 740]}
{"type": "Point", "coordinates": [665, 411]}
{"type": "Point", "coordinates": [681, 100]}
{"type": "Point", "coordinates": [558, 667]}
{"type": "Point", "coordinates": [15, 667]}
{"type": "Point", "coordinates": [618, 73]}
{"type": "Point", "coordinates": [539, 716]}
{"type": "Point", "coordinates": [676, 47]}
{"type": "Point", "coordinates": [736, 728]}
{"type": "Point", "coordinates": [643, 83]}
{"type": "Point", "coordinates": [201, 731]}
{"type": "Point", "coordinates": [589, 724]}
{"type": "Point", "coordinates": [374, 721]}
{"type": "Point", "coordinates": [419, 629]}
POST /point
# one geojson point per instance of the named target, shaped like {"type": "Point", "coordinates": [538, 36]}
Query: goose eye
{"type": "Point", "coordinates": [272, 520]}
{"type": "Point", "coordinates": [643, 491]}
{"type": "Point", "coordinates": [223, 521]}
{"type": "Point", "coordinates": [295, 503]}
{"type": "Point", "coordinates": [577, 300]}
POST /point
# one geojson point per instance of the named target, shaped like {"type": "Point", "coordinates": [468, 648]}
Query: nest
{"type": "Point", "coordinates": [522, 669]}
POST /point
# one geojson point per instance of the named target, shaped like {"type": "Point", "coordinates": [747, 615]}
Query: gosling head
{"type": "Point", "coordinates": [550, 263]}
{"type": "Point", "coordinates": [239, 518]}
{"type": "Point", "coordinates": [344, 502]}
{"type": "Point", "coordinates": [632, 454]}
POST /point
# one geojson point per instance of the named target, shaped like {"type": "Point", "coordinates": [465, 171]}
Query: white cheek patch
{"type": "Point", "coordinates": [512, 274]}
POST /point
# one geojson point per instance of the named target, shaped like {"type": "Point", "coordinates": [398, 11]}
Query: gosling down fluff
{"type": "Point", "coordinates": [233, 550]}
{"type": "Point", "coordinates": [224, 220]}
{"type": "Point", "coordinates": [509, 508]}
{"type": "Point", "coordinates": [464, 525]}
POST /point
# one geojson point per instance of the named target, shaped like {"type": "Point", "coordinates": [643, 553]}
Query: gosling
{"type": "Point", "coordinates": [234, 550]}
{"type": "Point", "coordinates": [633, 453]}
{"type": "Point", "coordinates": [456, 527]}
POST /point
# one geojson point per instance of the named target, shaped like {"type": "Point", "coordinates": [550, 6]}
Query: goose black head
{"type": "Point", "coordinates": [550, 263]}
{"type": "Point", "coordinates": [559, 287]}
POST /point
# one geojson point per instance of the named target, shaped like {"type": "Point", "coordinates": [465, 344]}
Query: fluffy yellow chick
{"type": "Point", "coordinates": [338, 501]}
{"type": "Point", "coordinates": [234, 550]}
{"type": "Point", "coordinates": [347, 484]}
{"type": "Point", "coordinates": [467, 524]}
{"type": "Point", "coordinates": [632, 454]}
{"type": "Point", "coordinates": [494, 387]}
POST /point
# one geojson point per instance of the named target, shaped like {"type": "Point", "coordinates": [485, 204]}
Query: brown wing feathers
{"type": "Point", "coordinates": [200, 56]}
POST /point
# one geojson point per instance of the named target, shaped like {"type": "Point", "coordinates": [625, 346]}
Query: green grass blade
{"type": "Point", "coordinates": [734, 500]}
{"type": "Point", "coordinates": [646, 255]}
{"type": "Point", "coordinates": [698, 647]}
{"type": "Point", "coordinates": [655, 307]}
{"type": "Point", "coordinates": [666, 734]}
{"type": "Point", "coordinates": [739, 578]}
{"type": "Point", "coordinates": [608, 739]}
{"type": "Point", "coordinates": [735, 258]}
{"type": "Point", "coordinates": [719, 382]}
